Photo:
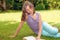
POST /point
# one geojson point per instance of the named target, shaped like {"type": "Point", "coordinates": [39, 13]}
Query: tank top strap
{"type": "Point", "coordinates": [37, 14]}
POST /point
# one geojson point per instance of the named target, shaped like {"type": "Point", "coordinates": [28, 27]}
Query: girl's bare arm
{"type": "Point", "coordinates": [40, 26]}
{"type": "Point", "coordinates": [18, 29]}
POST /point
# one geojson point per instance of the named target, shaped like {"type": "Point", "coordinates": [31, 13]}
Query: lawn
{"type": "Point", "coordinates": [9, 21]}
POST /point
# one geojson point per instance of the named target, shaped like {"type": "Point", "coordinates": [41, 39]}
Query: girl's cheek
{"type": "Point", "coordinates": [32, 10]}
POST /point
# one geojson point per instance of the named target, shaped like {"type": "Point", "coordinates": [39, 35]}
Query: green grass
{"type": "Point", "coordinates": [9, 21]}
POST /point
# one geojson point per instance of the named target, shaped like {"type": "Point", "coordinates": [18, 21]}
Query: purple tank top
{"type": "Point", "coordinates": [33, 23]}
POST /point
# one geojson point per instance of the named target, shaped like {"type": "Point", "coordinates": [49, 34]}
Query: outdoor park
{"type": "Point", "coordinates": [11, 12]}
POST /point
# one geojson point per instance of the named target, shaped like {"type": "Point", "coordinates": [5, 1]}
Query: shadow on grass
{"type": "Point", "coordinates": [10, 11]}
{"type": "Point", "coordinates": [55, 24]}
{"type": "Point", "coordinates": [8, 27]}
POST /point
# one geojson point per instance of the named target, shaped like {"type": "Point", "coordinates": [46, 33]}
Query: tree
{"type": "Point", "coordinates": [3, 5]}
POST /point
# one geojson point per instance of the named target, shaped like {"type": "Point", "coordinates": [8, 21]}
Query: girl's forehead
{"type": "Point", "coordinates": [28, 7]}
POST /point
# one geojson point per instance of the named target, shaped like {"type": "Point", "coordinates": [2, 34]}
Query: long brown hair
{"type": "Point", "coordinates": [26, 3]}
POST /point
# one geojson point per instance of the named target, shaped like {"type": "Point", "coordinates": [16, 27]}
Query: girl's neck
{"type": "Point", "coordinates": [32, 14]}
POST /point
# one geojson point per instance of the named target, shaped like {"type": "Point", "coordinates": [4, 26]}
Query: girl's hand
{"type": "Point", "coordinates": [37, 38]}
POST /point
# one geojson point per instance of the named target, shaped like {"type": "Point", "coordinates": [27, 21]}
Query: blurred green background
{"type": "Point", "coordinates": [39, 4]}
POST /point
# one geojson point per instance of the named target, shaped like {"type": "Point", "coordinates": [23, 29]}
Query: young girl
{"type": "Point", "coordinates": [35, 22]}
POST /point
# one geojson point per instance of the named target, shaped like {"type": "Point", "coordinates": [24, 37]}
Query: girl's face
{"type": "Point", "coordinates": [29, 10]}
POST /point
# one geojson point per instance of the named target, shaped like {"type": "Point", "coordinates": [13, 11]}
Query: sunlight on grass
{"type": "Point", "coordinates": [10, 16]}
{"type": "Point", "coordinates": [48, 16]}
{"type": "Point", "coordinates": [51, 16]}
